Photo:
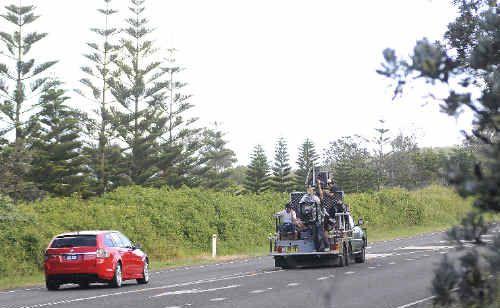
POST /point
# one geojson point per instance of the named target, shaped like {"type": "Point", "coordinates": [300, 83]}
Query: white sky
{"type": "Point", "coordinates": [271, 68]}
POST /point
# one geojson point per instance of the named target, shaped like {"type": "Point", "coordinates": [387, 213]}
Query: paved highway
{"type": "Point", "coordinates": [397, 274]}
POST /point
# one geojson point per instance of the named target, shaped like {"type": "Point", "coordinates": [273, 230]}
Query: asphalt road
{"type": "Point", "coordinates": [397, 274]}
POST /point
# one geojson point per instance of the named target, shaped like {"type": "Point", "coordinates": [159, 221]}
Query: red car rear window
{"type": "Point", "coordinates": [74, 241]}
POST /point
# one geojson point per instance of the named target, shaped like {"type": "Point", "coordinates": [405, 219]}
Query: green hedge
{"type": "Point", "coordinates": [395, 207]}
{"type": "Point", "coordinates": [172, 224]}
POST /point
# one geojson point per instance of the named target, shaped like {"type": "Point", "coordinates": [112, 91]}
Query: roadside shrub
{"type": "Point", "coordinates": [177, 223]}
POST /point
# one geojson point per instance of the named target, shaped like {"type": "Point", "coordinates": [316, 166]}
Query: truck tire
{"type": "Point", "coordinates": [343, 259]}
{"type": "Point", "coordinates": [288, 263]}
{"type": "Point", "coordinates": [361, 257]}
{"type": "Point", "coordinates": [278, 261]}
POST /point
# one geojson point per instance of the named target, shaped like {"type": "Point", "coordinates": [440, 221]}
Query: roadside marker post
{"type": "Point", "coordinates": [214, 245]}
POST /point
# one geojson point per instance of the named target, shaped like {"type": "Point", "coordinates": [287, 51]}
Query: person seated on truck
{"type": "Point", "coordinates": [289, 221]}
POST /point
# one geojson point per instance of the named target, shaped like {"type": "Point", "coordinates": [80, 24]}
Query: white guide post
{"type": "Point", "coordinates": [214, 245]}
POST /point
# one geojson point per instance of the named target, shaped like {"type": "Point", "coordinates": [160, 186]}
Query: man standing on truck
{"type": "Point", "coordinates": [289, 220]}
{"type": "Point", "coordinates": [315, 213]}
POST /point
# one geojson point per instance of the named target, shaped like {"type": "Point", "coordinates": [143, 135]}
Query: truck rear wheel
{"type": "Point", "coordinates": [361, 257]}
{"type": "Point", "coordinates": [285, 263]}
{"type": "Point", "coordinates": [343, 260]}
{"type": "Point", "coordinates": [278, 261]}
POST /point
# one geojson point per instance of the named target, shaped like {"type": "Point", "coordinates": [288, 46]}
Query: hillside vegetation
{"type": "Point", "coordinates": [173, 224]}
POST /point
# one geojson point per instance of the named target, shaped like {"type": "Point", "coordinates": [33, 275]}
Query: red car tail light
{"type": "Point", "coordinates": [48, 256]}
{"type": "Point", "coordinates": [102, 253]}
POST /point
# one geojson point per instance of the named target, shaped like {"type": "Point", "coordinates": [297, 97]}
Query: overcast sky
{"type": "Point", "coordinates": [270, 68]}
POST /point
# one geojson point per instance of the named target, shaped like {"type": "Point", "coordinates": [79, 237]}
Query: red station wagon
{"type": "Point", "coordinates": [94, 256]}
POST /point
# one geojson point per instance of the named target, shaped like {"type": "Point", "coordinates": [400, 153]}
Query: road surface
{"type": "Point", "coordinates": [397, 274]}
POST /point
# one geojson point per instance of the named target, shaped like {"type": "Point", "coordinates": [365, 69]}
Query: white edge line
{"type": "Point", "coordinates": [201, 281]}
{"type": "Point", "coordinates": [416, 302]}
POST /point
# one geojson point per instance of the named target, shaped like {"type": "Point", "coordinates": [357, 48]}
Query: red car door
{"type": "Point", "coordinates": [126, 256]}
{"type": "Point", "coordinates": [132, 256]}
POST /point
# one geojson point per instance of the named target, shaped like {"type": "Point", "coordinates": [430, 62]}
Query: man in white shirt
{"type": "Point", "coordinates": [289, 220]}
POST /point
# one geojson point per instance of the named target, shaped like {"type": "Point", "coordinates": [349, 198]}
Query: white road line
{"type": "Point", "coordinates": [426, 247]}
{"type": "Point", "coordinates": [195, 291]}
{"type": "Point", "coordinates": [377, 255]}
{"type": "Point", "coordinates": [350, 273]}
{"type": "Point", "coordinates": [202, 281]}
{"type": "Point", "coordinates": [322, 278]}
{"type": "Point", "coordinates": [371, 267]}
{"type": "Point", "coordinates": [410, 259]}
{"type": "Point", "coordinates": [392, 263]}
{"type": "Point", "coordinates": [218, 299]}
{"type": "Point", "coordinates": [293, 284]}
{"type": "Point", "coordinates": [257, 291]}
{"type": "Point", "coordinates": [417, 302]}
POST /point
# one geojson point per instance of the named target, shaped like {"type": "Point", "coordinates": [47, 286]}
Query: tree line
{"type": "Point", "coordinates": [139, 131]}
{"type": "Point", "coordinates": [359, 164]}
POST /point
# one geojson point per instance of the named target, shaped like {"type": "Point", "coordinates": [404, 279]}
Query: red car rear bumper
{"type": "Point", "coordinates": [87, 267]}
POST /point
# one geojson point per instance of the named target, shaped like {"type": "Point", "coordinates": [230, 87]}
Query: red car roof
{"type": "Point", "coordinates": [86, 232]}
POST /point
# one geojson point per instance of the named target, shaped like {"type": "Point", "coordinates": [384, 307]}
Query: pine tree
{"type": "Point", "coordinates": [20, 79]}
{"type": "Point", "coordinates": [306, 160]}
{"type": "Point", "coordinates": [380, 154]}
{"type": "Point", "coordinates": [116, 167]}
{"type": "Point", "coordinates": [97, 82]}
{"type": "Point", "coordinates": [257, 176]}
{"type": "Point", "coordinates": [58, 165]}
{"type": "Point", "coordinates": [178, 160]}
{"type": "Point", "coordinates": [282, 178]}
{"type": "Point", "coordinates": [217, 160]}
{"type": "Point", "coordinates": [139, 91]}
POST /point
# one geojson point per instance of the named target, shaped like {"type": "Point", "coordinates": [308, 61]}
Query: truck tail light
{"type": "Point", "coordinates": [279, 249]}
{"type": "Point", "coordinates": [102, 253]}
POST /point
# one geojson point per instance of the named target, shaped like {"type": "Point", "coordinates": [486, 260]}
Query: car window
{"type": "Point", "coordinates": [125, 241]}
{"type": "Point", "coordinates": [74, 241]}
{"type": "Point", "coordinates": [116, 239]}
{"type": "Point", "coordinates": [108, 241]}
